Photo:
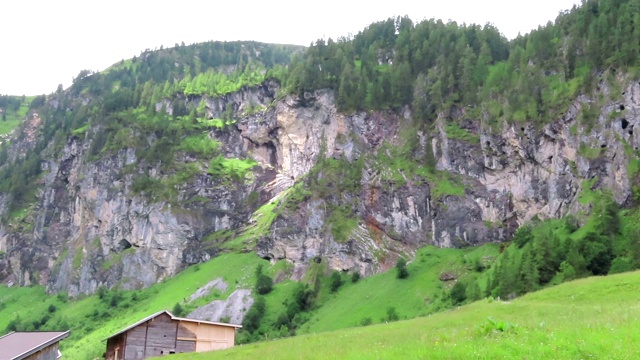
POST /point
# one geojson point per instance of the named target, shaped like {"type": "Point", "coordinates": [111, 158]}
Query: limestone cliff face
{"type": "Point", "coordinates": [89, 228]}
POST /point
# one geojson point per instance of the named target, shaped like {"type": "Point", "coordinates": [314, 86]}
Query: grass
{"type": "Point", "coordinates": [80, 131]}
{"type": "Point", "coordinates": [215, 123]}
{"type": "Point", "coordinates": [587, 194]}
{"type": "Point", "coordinates": [260, 225]}
{"type": "Point", "coordinates": [444, 183]}
{"type": "Point", "coordinates": [454, 131]}
{"type": "Point", "coordinates": [589, 152]}
{"type": "Point", "coordinates": [589, 318]}
{"type": "Point", "coordinates": [230, 167]}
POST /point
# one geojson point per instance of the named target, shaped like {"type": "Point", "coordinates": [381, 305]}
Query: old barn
{"type": "Point", "coordinates": [163, 333]}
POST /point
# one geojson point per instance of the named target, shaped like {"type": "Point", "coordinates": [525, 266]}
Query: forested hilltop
{"type": "Point", "coordinates": [334, 162]}
{"type": "Point", "coordinates": [432, 65]}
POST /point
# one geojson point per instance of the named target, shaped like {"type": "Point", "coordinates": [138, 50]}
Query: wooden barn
{"type": "Point", "coordinates": [163, 333]}
{"type": "Point", "coordinates": [37, 345]}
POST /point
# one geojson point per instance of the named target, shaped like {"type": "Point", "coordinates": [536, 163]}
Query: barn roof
{"type": "Point", "coordinates": [19, 345]}
{"type": "Point", "coordinates": [173, 317]}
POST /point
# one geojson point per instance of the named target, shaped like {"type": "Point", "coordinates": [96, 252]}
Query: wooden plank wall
{"type": "Point", "coordinates": [211, 337]}
{"type": "Point", "coordinates": [136, 342]}
{"type": "Point", "coordinates": [186, 341]}
{"type": "Point", "coordinates": [161, 336]}
{"type": "Point", "coordinates": [48, 353]}
{"type": "Point", "coordinates": [116, 342]}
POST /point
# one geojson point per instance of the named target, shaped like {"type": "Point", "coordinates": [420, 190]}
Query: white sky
{"type": "Point", "coordinates": [44, 43]}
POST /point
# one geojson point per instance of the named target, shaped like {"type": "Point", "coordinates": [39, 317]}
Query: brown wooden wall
{"type": "Point", "coordinates": [48, 353]}
{"type": "Point", "coordinates": [161, 336]}
{"type": "Point", "coordinates": [135, 342]}
{"type": "Point", "coordinates": [113, 344]}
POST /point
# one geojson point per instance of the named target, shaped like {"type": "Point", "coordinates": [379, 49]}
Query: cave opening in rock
{"type": "Point", "coordinates": [124, 245]}
{"type": "Point", "coordinates": [488, 143]}
{"type": "Point", "coordinates": [603, 146]}
{"type": "Point", "coordinates": [624, 123]}
{"type": "Point", "coordinates": [621, 107]}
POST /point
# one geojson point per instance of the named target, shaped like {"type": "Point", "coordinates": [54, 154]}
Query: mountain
{"type": "Point", "coordinates": [347, 156]}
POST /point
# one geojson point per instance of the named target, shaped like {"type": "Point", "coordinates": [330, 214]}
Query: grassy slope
{"type": "Point", "coordinates": [417, 295]}
{"type": "Point", "coordinates": [590, 318]}
{"type": "Point", "coordinates": [92, 319]}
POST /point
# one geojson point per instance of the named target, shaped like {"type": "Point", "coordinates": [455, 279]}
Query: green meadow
{"type": "Point", "coordinates": [592, 318]}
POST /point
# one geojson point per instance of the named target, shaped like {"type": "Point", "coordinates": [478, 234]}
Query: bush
{"type": "Point", "coordinates": [336, 281]}
{"type": "Point", "coordinates": [264, 284]}
{"type": "Point", "coordinates": [620, 265]}
{"type": "Point", "coordinates": [392, 315]}
{"type": "Point", "coordinates": [63, 296]}
{"type": "Point", "coordinates": [178, 310]}
{"type": "Point", "coordinates": [355, 277]}
{"type": "Point", "coordinates": [458, 293]}
{"type": "Point", "coordinates": [495, 327]}
{"type": "Point", "coordinates": [401, 269]}
{"type": "Point", "coordinates": [252, 319]}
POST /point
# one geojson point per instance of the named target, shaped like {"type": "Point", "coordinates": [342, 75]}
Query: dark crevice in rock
{"type": "Point", "coordinates": [124, 245]}
{"type": "Point", "coordinates": [624, 123]}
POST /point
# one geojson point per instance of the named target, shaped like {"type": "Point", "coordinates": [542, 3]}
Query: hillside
{"type": "Point", "coordinates": [94, 318]}
{"type": "Point", "coordinates": [493, 168]}
{"type": "Point", "coordinates": [588, 318]}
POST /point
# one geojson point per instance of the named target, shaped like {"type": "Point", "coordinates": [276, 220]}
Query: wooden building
{"type": "Point", "coordinates": [40, 345]}
{"type": "Point", "coordinates": [163, 333]}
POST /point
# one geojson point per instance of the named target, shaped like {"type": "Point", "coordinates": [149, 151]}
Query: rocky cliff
{"type": "Point", "coordinates": [355, 191]}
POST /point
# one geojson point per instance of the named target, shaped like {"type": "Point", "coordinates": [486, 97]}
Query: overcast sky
{"type": "Point", "coordinates": [46, 42]}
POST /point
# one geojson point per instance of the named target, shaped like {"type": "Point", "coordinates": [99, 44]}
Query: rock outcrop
{"type": "Point", "coordinates": [89, 228]}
